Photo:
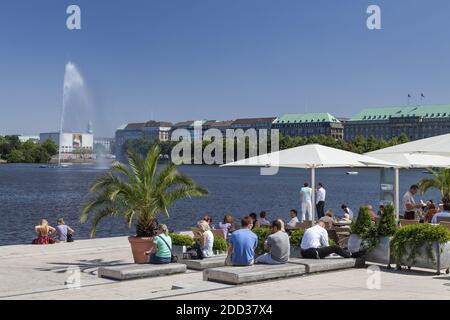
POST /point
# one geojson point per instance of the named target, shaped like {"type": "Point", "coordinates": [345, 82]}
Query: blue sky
{"type": "Point", "coordinates": [219, 59]}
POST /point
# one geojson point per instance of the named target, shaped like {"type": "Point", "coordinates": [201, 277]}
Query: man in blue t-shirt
{"type": "Point", "coordinates": [243, 242]}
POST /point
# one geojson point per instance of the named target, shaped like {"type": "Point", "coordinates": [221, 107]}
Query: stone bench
{"type": "Point", "coordinates": [207, 263]}
{"type": "Point", "coordinates": [328, 264]}
{"type": "Point", "coordinates": [258, 272]}
{"type": "Point", "coordinates": [137, 271]}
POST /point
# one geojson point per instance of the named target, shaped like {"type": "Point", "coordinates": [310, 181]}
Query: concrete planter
{"type": "Point", "coordinates": [295, 252]}
{"type": "Point", "coordinates": [381, 253]}
{"type": "Point", "coordinates": [354, 243]}
{"type": "Point", "coordinates": [179, 251]}
{"type": "Point", "coordinates": [440, 261]}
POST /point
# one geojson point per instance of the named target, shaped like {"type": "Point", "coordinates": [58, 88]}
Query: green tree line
{"type": "Point", "coordinates": [13, 150]}
{"type": "Point", "coordinates": [359, 145]}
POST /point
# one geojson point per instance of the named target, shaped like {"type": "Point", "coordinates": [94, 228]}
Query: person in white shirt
{"type": "Point", "coordinates": [320, 200]}
{"type": "Point", "coordinates": [206, 240]}
{"type": "Point", "coordinates": [315, 244]}
{"type": "Point", "coordinates": [305, 198]}
{"type": "Point", "coordinates": [263, 219]}
{"type": "Point", "coordinates": [294, 220]}
{"type": "Point", "coordinates": [443, 214]}
{"type": "Point", "coordinates": [409, 203]}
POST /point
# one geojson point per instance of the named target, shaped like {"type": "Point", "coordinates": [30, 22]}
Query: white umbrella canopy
{"type": "Point", "coordinates": [413, 160]}
{"type": "Point", "coordinates": [312, 156]}
{"type": "Point", "coordinates": [439, 145]}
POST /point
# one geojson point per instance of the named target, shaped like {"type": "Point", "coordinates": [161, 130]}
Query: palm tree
{"type": "Point", "coordinates": [440, 181]}
{"type": "Point", "coordinates": [138, 193]}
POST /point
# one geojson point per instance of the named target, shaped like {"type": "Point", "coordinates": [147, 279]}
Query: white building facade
{"type": "Point", "coordinates": [70, 142]}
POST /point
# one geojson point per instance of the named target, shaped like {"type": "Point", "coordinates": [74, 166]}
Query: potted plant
{"type": "Point", "coordinates": [262, 234]}
{"type": "Point", "coordinates": [296, 240]}
{"type": "Point", "coordinates": [363, 231]}
{"type": "Point", "coordinates": [139, 194]}
{"type": "Point", "coordinates": [423, 246]}
{"type": "Point", "coordinates": [386, 229]}
{"type": "Point", "coordinates": [220, 246]}
{"type": "Point", "coordinates": [181, 243]}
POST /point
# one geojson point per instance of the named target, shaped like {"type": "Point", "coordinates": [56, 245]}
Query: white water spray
{"type": "Point", "coordinates": [73, 91]}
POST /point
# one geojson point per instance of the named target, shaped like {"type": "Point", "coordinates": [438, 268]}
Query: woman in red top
{"type": "Point", "coordinates": [43, 231]}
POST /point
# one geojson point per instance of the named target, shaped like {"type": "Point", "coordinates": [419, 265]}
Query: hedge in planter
{"type": "Point", "coordinates": [220, 244]}
{"type": "Point", "coordinates": [262, 234]}
{"type": "Point", "coordinates": [365, 229]}
{"type": "Point", "coordinates": [388, 225]}
{"type": "Point", "coordinates": [182, 240]}
{"type": "Point", "coordinates": [412, 238]}
{"type": "Point", "coordinates": [296, 238]}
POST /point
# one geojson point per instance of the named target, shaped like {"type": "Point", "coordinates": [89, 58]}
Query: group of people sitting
{"type": "Point", "coordinates": [427, 212]}
{"type": "Point", "coordinates": [314, 245]}
{"type": "Point", "coordinates": [242, 242]}
{"type": "Point", "coordinates": [46, 234]}
{"type": "Point", "coordinates": [162, 253]}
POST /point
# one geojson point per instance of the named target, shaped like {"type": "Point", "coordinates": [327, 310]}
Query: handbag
{"type": "Point", "coordinates": [173, 258]}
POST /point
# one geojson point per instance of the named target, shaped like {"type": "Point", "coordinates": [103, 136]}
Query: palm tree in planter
{"type": "Point", "coordinates": [440, 181]}
{"type": "Point", "coordinates": [139, 194]}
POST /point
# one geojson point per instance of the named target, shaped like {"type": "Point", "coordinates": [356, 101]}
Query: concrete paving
{"type": "Point", "coordinates": [69, 271]}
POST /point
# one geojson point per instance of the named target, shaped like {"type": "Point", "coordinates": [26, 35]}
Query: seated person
{"type": "Point", "coordinates": [372, 213]}
{"type": "Point", "coordinates": [328, 219]}
{"type": "Point", "coordinates": [282, 223]}
{"type": "Point", "coordinates": [63, 232]}
{"type": "Point", "coordinates": [254, 220]}
{"type": "Point", "coordinates": [226, 225]}
{"type": "Point", "coordinates": [430, 211]}
{"type": "Point", "coordinates": [209, 220]}
{"type": "Point", "coordinates": [278, 246]}
{"type": "Point", "coordinates": [294, 220]}
{"type": "Point", "coordinates": [445, 213]}
{"type": "Point", "coordinates": [162, 252]}
{"type": "Point", "coordinates": [347, 211]}
{"type": "Point", "coordinates": [380, 210]}
{"type": "Point", "coordinates": [44, 233]}
{"type": "Point", "coordinates": [315, 244]}
{"type": "Point", "coordinates": [243, 242]}
{"type": "Point", "coordinates": [263, 219]}
{"type": "Point", "coordinates": [206, 240]}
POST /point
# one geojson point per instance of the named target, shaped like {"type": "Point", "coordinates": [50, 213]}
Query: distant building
{"type": "Point", "coordinates": [222, 126]}
{"type": "Point", "coordinates": [149, 131]}
{"type": "Point", "coordinates": [70, 142]}
{"type": "Point", "coordinates": [417, 122]}
{"type": "Point", "coordinates": [309, 124]}
{"type": "Point", "coordinates": [253, 123]}
{"type": "Point", "coordinates": [192, 129]}
{"type": "Point", "coordinates": [105, 142]}
{"type": "Point", "coordinates": [29, 138]}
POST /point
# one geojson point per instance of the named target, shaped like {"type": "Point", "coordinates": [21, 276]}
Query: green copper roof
{"type": "Point", "coordinates": [306, 117]}
{"type": "Point", "coordinates": [431, 111]}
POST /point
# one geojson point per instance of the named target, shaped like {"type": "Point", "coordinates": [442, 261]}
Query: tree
{"type": "Point", "coordinates": [138, 193]}
{"type": "Point", "coordinates": [16, 156]}
{"type": "Point", "coordinates": [440, 181]}
{"type": "Point", "coordinates": [51, 147]}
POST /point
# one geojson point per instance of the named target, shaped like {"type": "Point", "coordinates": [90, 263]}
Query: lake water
{"type": "Point", "coordinates": [29, 193]}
